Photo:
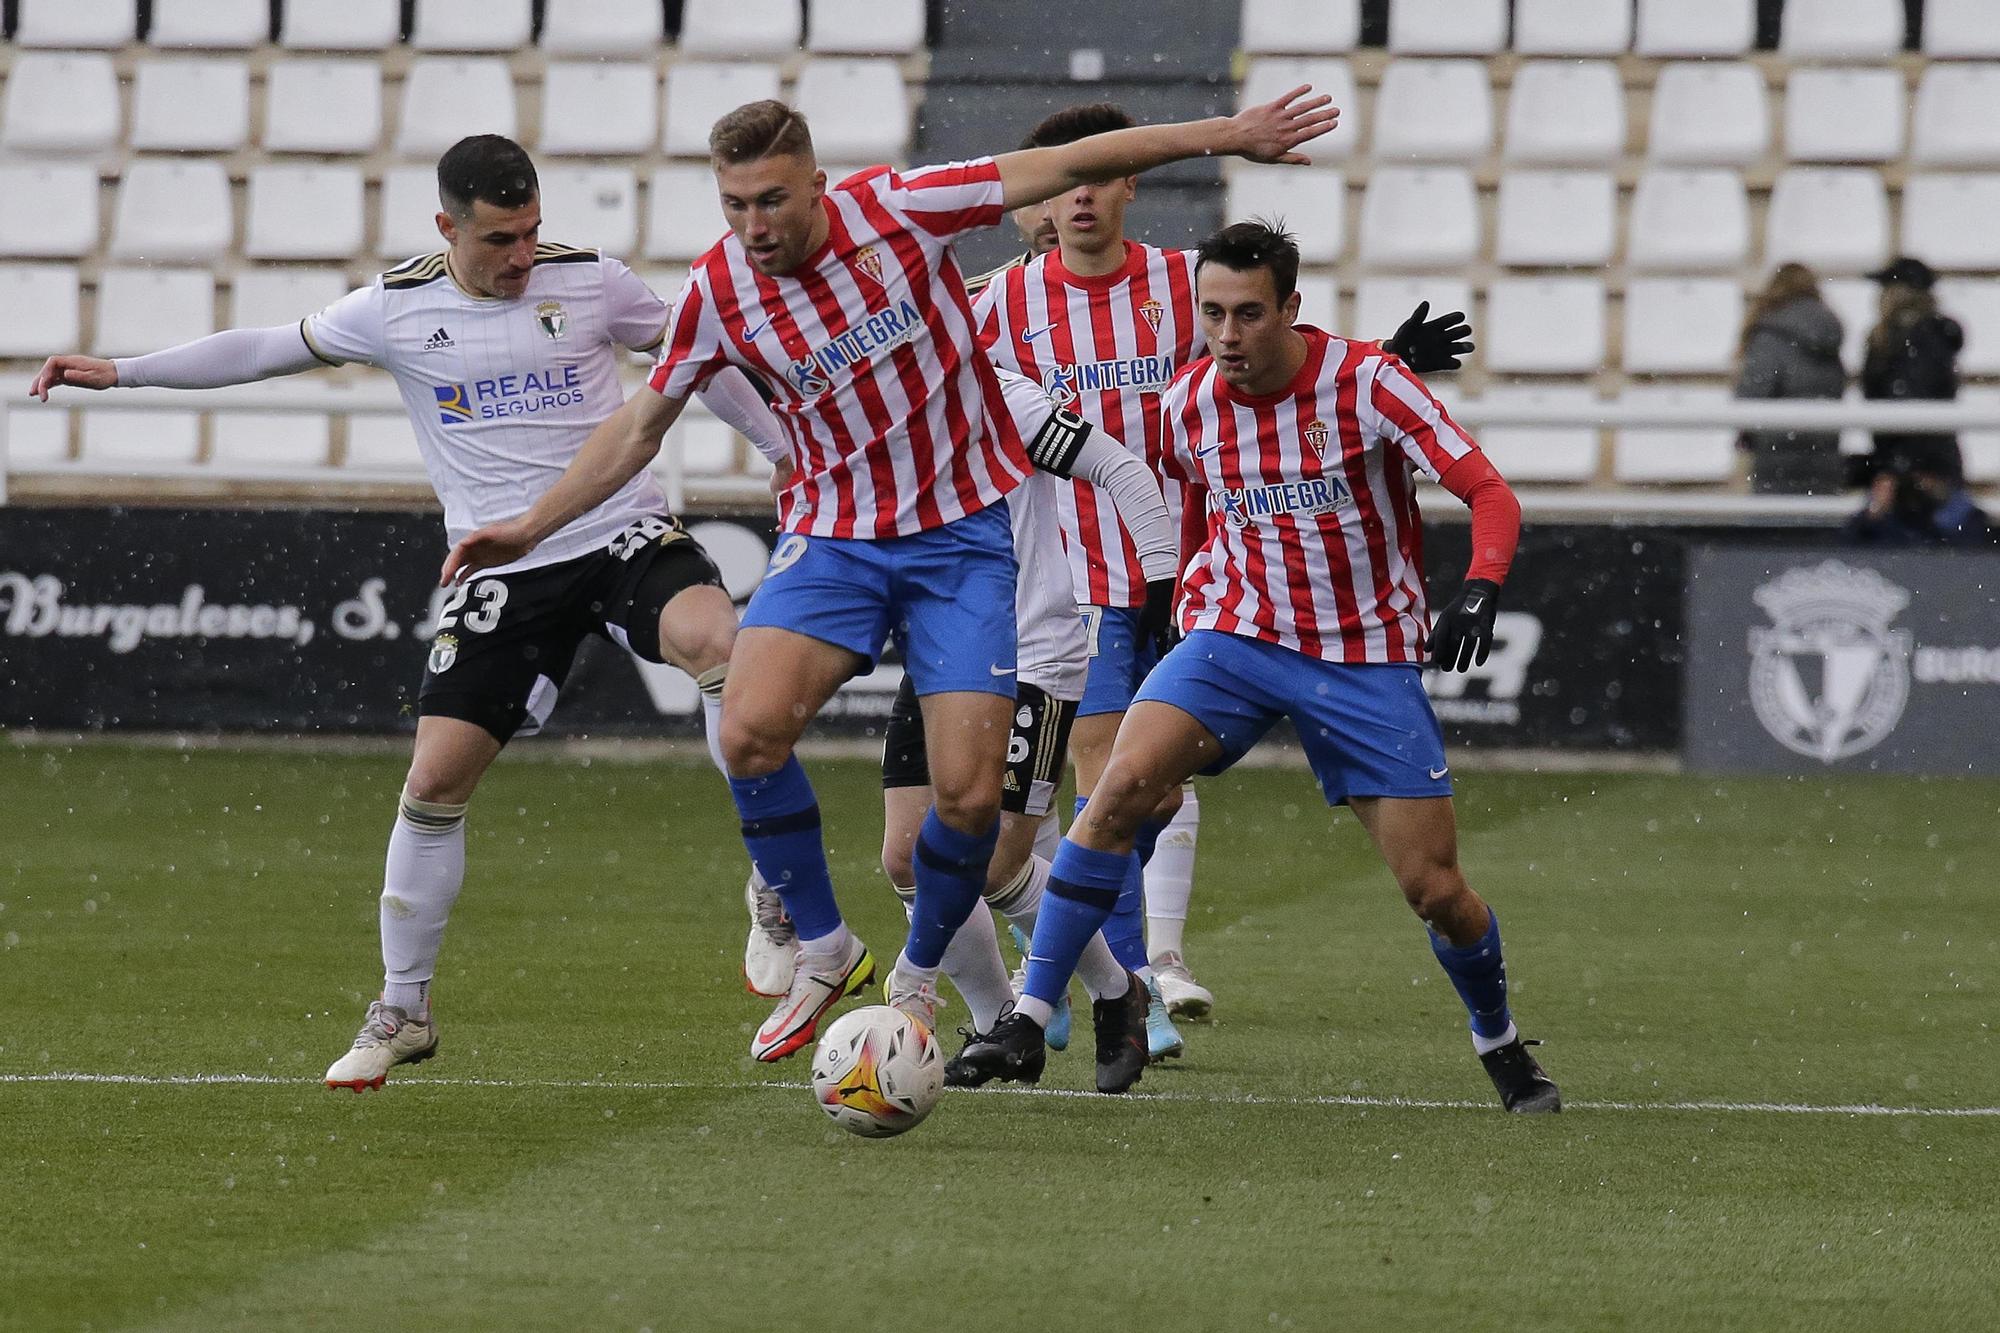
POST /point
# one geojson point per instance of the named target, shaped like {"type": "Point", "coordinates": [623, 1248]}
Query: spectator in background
{"type": "Point", "coordinates": [1913, 354]}
{"type": "Point", "coordinates": [1920, 502]}
{"type": "Point", "coordinates": [1791, 349]}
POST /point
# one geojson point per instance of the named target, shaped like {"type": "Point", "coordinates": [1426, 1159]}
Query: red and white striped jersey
{"type": "Point", "coordinates": [869, 354]}
{"type": "Point", "coordinates": [1314, 540]}
{"type": "Point", "coordinates": [1106, 348]}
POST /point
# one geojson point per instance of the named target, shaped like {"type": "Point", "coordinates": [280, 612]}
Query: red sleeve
{"type": "Point", "coordinates": [1496, 514]}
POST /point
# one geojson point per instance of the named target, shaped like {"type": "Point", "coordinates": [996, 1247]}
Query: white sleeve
{"type": "Point", "coordinates": [349, 330]}
{"type": "Point", "coordinates": [634, 313]}
{"type": "Point", "coordinates": [234, 356]}
{"type": "Point", "coordinates": [1135, 493]}
{"type": "Point", "coordinates": [732, 397]}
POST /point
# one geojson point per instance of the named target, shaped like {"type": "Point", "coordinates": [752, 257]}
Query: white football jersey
{"type": "Point", "coordinates": [503, 392]}
{"type": "Point", "coordinates": [1054, 651]}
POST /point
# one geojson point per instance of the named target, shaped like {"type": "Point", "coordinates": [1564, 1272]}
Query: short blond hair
{"type": "Point", "coordinates": [759, 130]}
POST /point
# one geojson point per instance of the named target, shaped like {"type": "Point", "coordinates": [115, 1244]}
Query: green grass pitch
{"type": "Point", "coordinates": [593, 1148]}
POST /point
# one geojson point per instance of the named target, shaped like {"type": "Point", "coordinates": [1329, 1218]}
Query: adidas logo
{"type": "Point", "coordinates": [438, 341]}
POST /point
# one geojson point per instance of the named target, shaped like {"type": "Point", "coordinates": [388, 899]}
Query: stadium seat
{"type": "Point", "coordinates": [144, 309]}
{"type": "Point", "coordinates": [60, 102]}
{"type": "Point", "coordinates": [1556, 219]}
{"type": "Point", "coordinates": [1961, 29]}
{"type": "Point", "coordinates": [1667, 454]}
{"type": "Point", "coordinates": [263, 298]}
{"type": "Point", "coordinates": [1382, 304]}
{"type": "Point", "coordinates": [1709, 115]}
{"type": "Point", "coordinates": [1682, 326]}
{"type": "Point", "coordinates": [193, 105]}
{"type": "Point", "coordinates": [1312, 201]}
{"type": "Point", "coordinates": [51, 291]}
{"type": "Point", "coordinates": [1980, 448]}
{"type": "Point", "coordinates": [102, 25]}
{"type": "Point", "coordinates": [37, 440]}
{"type": "Point", "coordinates": [615, 28]}
{"type": "Point", "coordinates": [172, 208]}
{"type": "Point", "coordinates": [1433, 111]}
{"type": "Point", "coordinates": [1856, 302]}
{"type": "Point", "coordinates": [1448, 27]}
{"type": "Point", "coordinates": [382, 443]}
{"type": "Point", "coordinates": [1841, 29]}
{"type": "Point", "coordinates": [1954, 122]}
{"type": "Point", "coordinates": [453, 25]}
{"type": "Point", "coordinates": [1566, 111]}
{"type": "Point", "coordinates": [1834, 219]}
{"type": "Point", "coordinates": [1571, 28]}
{"type": "Point", "coordinates": [323, 106]}
{"type": "Point", "coordinates": [1319, 301]}
{"type": "Point", "coordinates": [141, 443]}
{"type": "Point", "coordinates": [351, 25]}
{"type": "Point", "coordinates": [701, 92]}
{"type": "Point", "coordinates": [1419, 217]}
{"type": "Point", "coordinates": [301, 212]}
{"type": "Point", "coordinates": [600, 106]}
{"type": "Point", "coordinates": [1274, 76]}
{"type": "Point", "coordinates": [1692, 219]}
{"type": "Point", "coordinates": [865, 27]}
{"type": "Point", "coordinates": [247, 443]}
{"type": "Point", "coordinates": [1299, 27]}
{"type": "Point", "coordinates": [1844, 115]}
{"type": "Point", "coordinates": [1975, 304]}
{"type": "Point", "coordinates": [740, 27]}
{"type": "Point", "coordinates": [682, 220]}
{"type": "Point", "coordinates": [408, 213]}
{"type": "Point", "coordinates": [1540, 454]}
{"type": "Point", "coordinates": [592, 206]}
{"type": "Point", "coordinates": [1544, 326]}
{"type": "Point", "coordinates": [48, 211]}
{"type": "Point", "coordinates": [1695, 27]}
{"type": "Point", "coordinates": [1949, 219]}
{"type": "Point", "coordinates": [213, 25]}
{"type": "Point", "coordinates": [857, 108]}
{"type": "Point", "coordinates": [446, 99]}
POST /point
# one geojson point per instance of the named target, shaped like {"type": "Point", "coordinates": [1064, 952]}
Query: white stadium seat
{"type": "Point", "coordinates": [446, 99]}
{"type": "Point", "coordinates": [247, 443]}
{"type": "Point", "coordinates": [865, 27]}
{"type": "Point", "coordinates": [1857, 303]}
{"type": "Point", "coordinates": [1540, 454]}
{"type": "Point", "coordinates": [1544, 326]}
{"type": "Point", "coordinates": [382, 443]}
{"type": "Point", "coordinates": [454, 25]}
{"type": "Point", "coordinates": [591, 206]}
{"type": "Point", "coordinates": [195, 105]}
{"type": "Point", "coordinates": [37, 439]}
{"type": "Point", "coordinates": [1844, 115]}
{"type": "Point", "coordinates": [1561, 219]}
{"type": "Point", "coordinates": [615, 28]}
{"type": "Point", "coordinates": [1689, 219]}
{"type": "Point", "coordinates": [323, 106]}
{"type": "Point", "coordinates": [1975, 304]}
{"type": "Point", "coordinates": [1951, 220]}
{"type": "Point", "coordinates": [301, 212]}
{"type": "Point", "coordinates": [1319, 301]}
{"type": "Point", "coordinates": [60, 102]}
{"type": "Point", "coordinates": [701, 92]}
{"type": "Point", "coordinates": [1433, 111]}
{"type": "Point", "coordinates": [1566, 111]}
{"type": "Point", "coordinates": [172, 208]}
{"type": "Point", "coordinates": [1695, 27]}
{"type": "Point", "coordinates": [98, 24]}
{"type": "Point", "coordinates": [740, 27]}
{"type": "Point", "coordinates": [1572, 27]}
{"type": "Point", "coordinates": [1981, 448]}
{"type": "Point", "coordinates": [1382, 304]}
{"type": "Point", "coordinates": [50, 290]}
{"type": "Point", "coordinates": [1274, 76]}
{"type": "Point", "coordinates": [682, 219]}
{"type": "Point", "coordinates": [146, 443]}
{"type": "Point", "coordinates": [1674, 454]}
{"type": "Point", "coordinates": [48, 211]}
{"type": "Point", "coordinates": [1299, 27]}
{"type": "Point", "coordinates": [600, 106]}
{"type": "Point", "coordinates": [408, 213]}
{"type": "Point", "coordinates": [1312, 201]}
{"type": "Point", "coordinates": [1841, 29]}
{"type": "Point", "coordinates": [1962, 29]}
{"type": "Point", "coordinates": [1448, 27]}
{"type": "Point", "coordinates": [1419, 217]}
{"type": "Point", "coordinates": [144, 309]}
{"type": "Point", "coordinates": [262, 298]}
{"type": "Point", "coordinates": [349, 25]}
{"type": "Point", "coordinates": [1834, 219]}
{"type": "Point", "coordinates": [1954, 122]}
{"type": "Point", "coordinates": [857, 109]}
{"type": "Point", "coordinates": [1682, 326]}
{"type": "Point", "coordinates": [214, 25]}
{"type": "Point", "coordinates": [1709, 115]}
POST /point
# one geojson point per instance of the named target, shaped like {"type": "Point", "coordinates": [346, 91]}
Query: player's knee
{"type": "Point", "coordinates": [1434, 889]}
{"type": "Point", "coordinates": [898, 863]}
{"type": "Point", "coordinates": [751, 750]}
{"type": "Point", "coordinates": [433, 785]}
{"type": "Point", "coordinates": [971, 808]}
{"type": "Point", "coordinates": [1125, 797]}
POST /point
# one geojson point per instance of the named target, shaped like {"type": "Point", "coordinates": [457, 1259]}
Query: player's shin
{"type": "Point", "coordinates": [1083, 886]}
{"type": "Point", "coordinates": [1479, 974]}
{"type": "Point", "coordinates": [781, 831]}
{"type": "Point", "coordinates": [424, 872]}
{"type": "Point", "coordinates": [951, 872]}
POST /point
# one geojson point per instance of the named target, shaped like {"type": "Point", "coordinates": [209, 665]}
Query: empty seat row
{"type": "Point", "coordinates": [68, 103]}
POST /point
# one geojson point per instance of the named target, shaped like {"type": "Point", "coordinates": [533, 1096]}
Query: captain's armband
{"type": "Point", "coordinates": [1058, 443]}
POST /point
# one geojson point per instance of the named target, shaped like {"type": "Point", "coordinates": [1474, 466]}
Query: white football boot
{"type": "Point", "coordinates": [794, 1024]}
{"type": "Point", "coordinates": [1184, 996]}
{"type": "Point", "coordinates": [918, 999]}
{"type": "Point", "coordinates": [388, 1037]}
{"type": "Point", "coordinates": [771, 954]}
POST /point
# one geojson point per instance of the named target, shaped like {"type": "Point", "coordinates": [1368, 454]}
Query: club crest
{"type": "Point", "coordinates": [1317, 435]}
{"type": "Point", "coordinates": [1152, 312]}
{"type": "Point", "coordinates": [1829, 677]}
{"type": "Point", "coordinates": [444, 651]}
{"type": "Point", "coordinates": [553, 319]}
{"type": "Point", "coordinates": [868, 263]}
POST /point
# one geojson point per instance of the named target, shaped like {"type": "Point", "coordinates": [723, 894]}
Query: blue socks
{"type": "Point", "coordinates": [1125, 931]}
{"type": "Point", "coordinates": [951, 874]}
{"type": "Point", "coordinates": [1083, 887]}
{"type": "Point", "coordinates": [1479, 975]}
{"type": "Point", "coordinates": [781, 832]}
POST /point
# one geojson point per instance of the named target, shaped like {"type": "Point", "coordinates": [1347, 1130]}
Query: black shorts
{"type": "Point", "coordinates": [1036, 749]}
{"type": "Point", "coordinates": [505, 642]}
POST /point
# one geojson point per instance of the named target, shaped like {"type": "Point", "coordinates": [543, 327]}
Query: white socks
{"type": "Point", "coordinates": [425, 870]}
{"type": "Point", "coordinates": [972, 961]}
{"type": "Point", "coordinates": [1170, 879]}
{"type": "Point", "coordinates": [710, 683]}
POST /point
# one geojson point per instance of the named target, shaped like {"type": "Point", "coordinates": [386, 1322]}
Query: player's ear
{"type": "Point", "coordinates": [819, 182]}
{"type": "Point", "coordinates": [1291, 308]}
{"type": "Point", "coordinates": [447, 228]}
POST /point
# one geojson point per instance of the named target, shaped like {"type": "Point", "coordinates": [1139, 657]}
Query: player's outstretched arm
{"type": "Point", "coordinates": [234, 356]}
{"type": "Point", "coordinates": [616, 451]}
{"type": "Point", "coordinates": [1271, 132]}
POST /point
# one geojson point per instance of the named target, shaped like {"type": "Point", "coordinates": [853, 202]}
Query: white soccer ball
{"type": "Point", "coordinates": [877, 1072]}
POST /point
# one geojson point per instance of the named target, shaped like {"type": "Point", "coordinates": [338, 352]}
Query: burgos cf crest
{"type": "Point", "coordinates": [1317, 436]}
{"type": "Point", "coordinates": [553, 319]}
{"type": "Point", "coordinates": [869, 264]}
{"type": "Point", "coordinates": [1829, 678]}
{"type": "Point", "coordinates": [1151, 312]}
{"type": "Point", "coordinates": [444, 651]}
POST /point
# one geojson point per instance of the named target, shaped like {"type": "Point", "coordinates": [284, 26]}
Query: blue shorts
{"type": "Point", "coordinates": [946, 595]}
{"type": "Point", "coordinates": [1119, 661]}
{"type": "Point", "coordinates": [1368, 729]}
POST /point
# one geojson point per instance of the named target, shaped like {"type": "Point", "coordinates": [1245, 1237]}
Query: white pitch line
{"type": "Point", "coordinates": [1228, 1099]}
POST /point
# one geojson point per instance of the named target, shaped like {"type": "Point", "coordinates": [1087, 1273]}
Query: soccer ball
{"type": "Point", "coordinates": [877, 1072]}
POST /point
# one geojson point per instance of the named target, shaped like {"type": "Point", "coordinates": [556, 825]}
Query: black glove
{"type": "Point", "coordinates": [1462, 634]}
{"type": "Point", "coordinates": [1430, 345]}
{"type": "Point", "coordinates": [1156, 621]}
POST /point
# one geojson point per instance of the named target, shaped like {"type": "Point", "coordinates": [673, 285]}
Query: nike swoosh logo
{"type": "Point", "coordinates": [1439, 772]}
{"type": "Point", "coordinates": [1029, 335]}
{"type": "Point", "coordinates": [1037, 958]}
{"type": "Point", "coordinates": [1472, 604]}
{"type": "Point", "coordinates": [751, 335]}
{"type": "Point", "coordinates": [1204, 453]}
{"type": "Point", "coordinates": [1001, 671]}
